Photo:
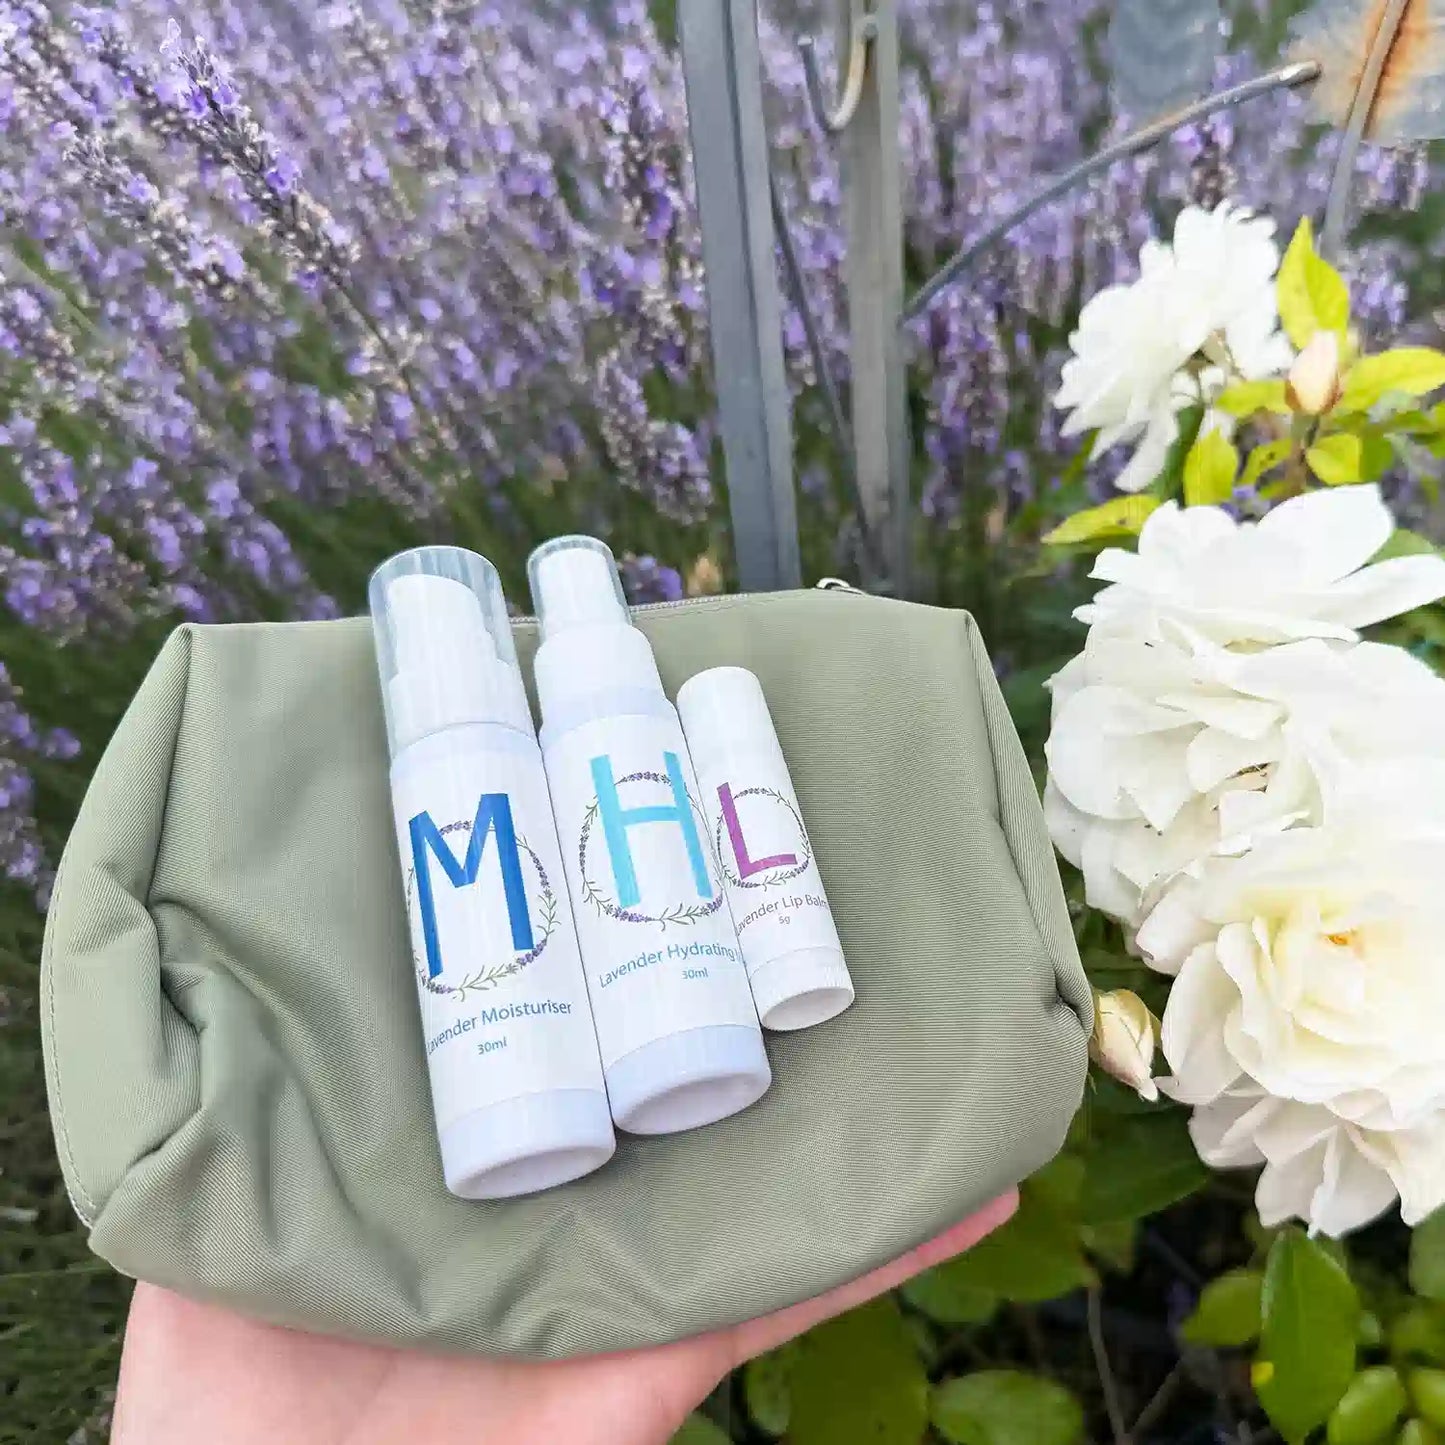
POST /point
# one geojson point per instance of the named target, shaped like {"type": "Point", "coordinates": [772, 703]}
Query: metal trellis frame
{"type": "Point", "coordinates": [745, 229]}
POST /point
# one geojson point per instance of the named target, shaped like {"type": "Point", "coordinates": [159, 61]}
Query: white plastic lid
{"type": "Point", "coordinates": [802, 989]}
{"type": "Point", "coordinates": [575, 583]}
{"type": "Point", "coordinates": [725, 716]}
{"type": "Point", "coordinates": [444, 645]}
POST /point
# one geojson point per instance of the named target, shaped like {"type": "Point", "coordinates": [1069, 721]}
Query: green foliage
{"type": "Point", "coordinates": [1307, 1344]}
{"type": "Point", "coordinates": [1121, 517]}
{"type": "Point", "coordinates": [1406, 371]}
{"type": "Point", "coordinates": [1312, 294]}
{"type": "Point", "coordinates": [1006, 1407]}
{"type": "Point", "coordinates": [1417, 1432]}
{"type": "Point", "coordinates": [1038, 1254]}
{"type": "Point", "coordinates": [1427, 1394]}
{"type": "Point", "coordinates": [858, 1379]}
{"type": "Point", "coordinates": [1417, 1334]}
{"type": "Point", "coordinates": [1210, 470]}
{"type": "Point", "coordinates": [1371, 1405]}
{"type": "Point", "coordinates": [767, 1389]}
{"type": "Point", "coordinates": [699, 1430]}
{"type": "Point", "coordinates": [946, 1299]}
{"type": "Point", "coordinates": [1140, 1166]}
{"type": "Point", "coordinates": [1244, 398]}
{"type": "Point", "coordinates": [1264, 459]}
{"type": "Point", "coordinates": [1229, 1311]}
{"type": "Point", "coordinates": [1427, 1257]}
{"type": "Point", "coordinates": [1337, 460]}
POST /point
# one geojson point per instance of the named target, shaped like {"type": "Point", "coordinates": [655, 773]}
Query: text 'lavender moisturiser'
{"type": "Point", "coordinates": [516, 1080]}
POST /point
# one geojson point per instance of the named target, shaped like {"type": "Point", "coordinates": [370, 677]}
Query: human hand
{"type": "Point", "coordinates": [196, 1372]}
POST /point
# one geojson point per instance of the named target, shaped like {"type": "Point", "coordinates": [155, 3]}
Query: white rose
{"type": "Point", "coordinates": [1167, 748]}
{"type": "Point", "coordinates": [1309, 975]}
{"type": "Point", "coordinates": [1206, 302]}
{"type": "Point", "coordinates": [1319, 1168]}
{"type": "Point", "coordinates": [1298, 572]}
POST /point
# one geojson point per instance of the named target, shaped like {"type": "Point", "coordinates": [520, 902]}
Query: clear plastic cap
{"type": "Point", "coordinates": [575, 583]}
{"type": "Point", "coordinates": [444, 645]}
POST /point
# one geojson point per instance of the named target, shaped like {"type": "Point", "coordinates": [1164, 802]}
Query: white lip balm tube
{"type": "Point", "coordinates": [675, 1019]}
{"type": "Point", "coordinates": [516, 1080]}
{"type": "Point", "coordinates": [791, 947]}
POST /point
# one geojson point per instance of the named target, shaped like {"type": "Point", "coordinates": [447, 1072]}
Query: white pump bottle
{"type": "Point", "coordinates": [679, 1034]}
{"type": "Point", "coordinates": [516, 1080]}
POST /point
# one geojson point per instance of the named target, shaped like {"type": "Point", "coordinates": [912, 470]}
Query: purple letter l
{"type": "Point", "coordinates": [746, 866]}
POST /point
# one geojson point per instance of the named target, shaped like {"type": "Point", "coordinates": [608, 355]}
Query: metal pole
{"type": "Point", "coordinates": [730, 160]}
{"type": "Point", "coordinates": [874, 216]}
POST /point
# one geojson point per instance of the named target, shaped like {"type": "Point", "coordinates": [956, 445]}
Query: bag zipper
{"type": "Point", "coordinates": [824, 584]}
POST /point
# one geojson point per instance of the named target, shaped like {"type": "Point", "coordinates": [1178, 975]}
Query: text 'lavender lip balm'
{"type": "Point", "coordinates": [790, 942]}
{"type": "Point", "coordinates": [675, 1019]}
{"type": "Point", "coordinates": [516, 1080]}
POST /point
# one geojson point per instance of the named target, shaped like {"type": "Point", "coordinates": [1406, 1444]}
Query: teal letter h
{"type": "Point", "coordinates": [616, 820]}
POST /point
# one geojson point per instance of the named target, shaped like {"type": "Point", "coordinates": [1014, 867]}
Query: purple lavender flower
{"type": "Point", "coordinates": [443, 259]}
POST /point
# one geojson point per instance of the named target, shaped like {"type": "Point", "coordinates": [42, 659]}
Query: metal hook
{"type": "Point", "coordinates": [862, 32]}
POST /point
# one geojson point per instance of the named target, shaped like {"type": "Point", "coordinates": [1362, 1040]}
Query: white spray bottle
{"type": "Point", "coordinates": [679, 1034]}
{"type": "Point", "coordinates": [516, 1080]}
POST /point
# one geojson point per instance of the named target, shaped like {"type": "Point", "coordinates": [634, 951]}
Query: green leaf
{"type": "Point", "coordinates": [1405, 543]}
{"type": "Point", "coordinates": [1417, 1432]}
{"type": "Point", "coordinates": [1038, 1254]}
{"type": "Point", "coordinates": [1006, 1407]}
{"type": "Point", "coordinates": [1408, 370]}
{"type": "Point", "coordinates": [1112, 1243]}
{"type": "Point", "coordinates": [1228, 1312]}
{"type": "Point", "coordinates": [857, 1378]}
{"type": "Point", "coordinates": [939, 1294]}
{"type": "Point", "coordinates": [1245, 398]}
{"type": "Point", "coordinates": [767, 1389]}
{"type": "Point", "coordinates": [1121, 517]}
{"type": "Point", "coordinates": [1418, 1332]}
{"type": "Point", "coordinates": [1307, 1344]}
{"type": "Point", "coordinates": [1139, 1166]}
{"type": "Point", "coordinates": [1376, 456]}
{"type": "Point", "coordinates": [699, 1430]}
{"type": "Point", "coordinates": [1337, 460]}
{"type": "Point", "coordinates": [1312, 294]}
{"type": "Point", "coordinates": [1265, 458]}
{"type": "Point", "coordinates": [1210, 470]}
{"type": "Point", "coordinates": [1427, 1394]}
{"type": "Point", "coordinates": [1427, 1254]}
{"type": "Point", "coordinates": [1373, 1401]}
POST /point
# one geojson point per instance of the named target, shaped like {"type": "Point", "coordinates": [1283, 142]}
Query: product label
{"type": "Point", "coordinates": [767, 863]}
{"type": "Point", "coordinates": [657, 937]}
{"type": "Point", "coordinates": [503, 1000]}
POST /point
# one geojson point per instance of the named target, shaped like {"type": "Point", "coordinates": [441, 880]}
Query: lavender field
{"type": "Point", "coordinates": [284, 291]}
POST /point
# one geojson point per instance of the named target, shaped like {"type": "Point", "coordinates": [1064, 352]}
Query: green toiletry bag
{"type": "Point", "coordinates": [232, 1048]}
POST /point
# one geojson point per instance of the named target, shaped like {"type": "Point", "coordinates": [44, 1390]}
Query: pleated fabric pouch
{"type": "Point", "coordinates": [235, 1062]}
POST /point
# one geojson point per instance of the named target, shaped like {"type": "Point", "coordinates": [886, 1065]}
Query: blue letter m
{"type": "Point", "coordinates": [494, 810]}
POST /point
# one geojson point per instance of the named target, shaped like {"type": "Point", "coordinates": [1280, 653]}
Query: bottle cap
{"type": "Point", "coordinates": [592, 661]}
{"type": "Point", "coordinates": [725, 716]}
{"type": "Point", "coordinates": [444, 645]}
{"type": "Point", "coordinates": [801, 989]}
{"type": "Point", "coordinates": [575, 583]}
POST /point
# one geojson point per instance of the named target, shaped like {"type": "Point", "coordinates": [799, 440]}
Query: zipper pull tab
{"type": "Point", "coordinates": [837, 584]}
